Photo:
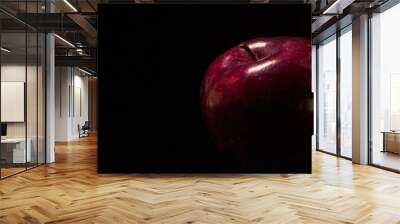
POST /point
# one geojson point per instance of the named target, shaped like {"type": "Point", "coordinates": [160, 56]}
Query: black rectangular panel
{"type": "Point", "coordinates": [152, 59]}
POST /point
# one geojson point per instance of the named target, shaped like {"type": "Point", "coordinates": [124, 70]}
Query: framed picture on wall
{"type": "Point", "coordinates": [12, 101]}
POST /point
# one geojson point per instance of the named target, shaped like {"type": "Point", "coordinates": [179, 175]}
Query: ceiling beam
{"type": "Point", "coordinates": [82, 61]}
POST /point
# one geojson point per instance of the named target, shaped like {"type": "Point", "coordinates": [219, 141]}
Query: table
{"type": "Point", "coordinates": [13, 150]}
{"type": "Point", "coordinates": [391, 141]}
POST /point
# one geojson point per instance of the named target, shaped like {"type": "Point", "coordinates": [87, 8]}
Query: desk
{"type": "Point", "coordinates": [13, 150]}
{"type": "Point", "coordinates": [391, 141]}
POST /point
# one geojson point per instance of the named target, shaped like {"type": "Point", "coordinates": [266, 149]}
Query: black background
{"type": "Point", "coordinates": [151, 61]}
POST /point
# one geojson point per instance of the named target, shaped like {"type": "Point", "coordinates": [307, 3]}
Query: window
{"type": "Point", "coordinates": [22, 77]}
{"type": "Point", "coordinates": [346, 92]}
{"type": "Point", "coordinates": [385, 88]}
{"type": "Point", "coordinates": [327, 95]}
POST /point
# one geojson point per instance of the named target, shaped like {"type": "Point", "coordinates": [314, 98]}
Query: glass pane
{"type": "Point", "coordinates": [31, 84]}
{"type": "Point", "coordinates": [346, 93]}
{"type": "Point", "coordinates": [314, 81]}
{"type": "Point", "coordinates": [22, 88]}
{"type": "Point", "coordinates": [32, 95]}
{"type": "Point", "coordinates": [386, 89]}
{"type": "Point", "coordinates": [41, 98]}
{"type": "Point", "coordinates": [14, 153]}
{"type": "Point", "coordinates": [327, 96]}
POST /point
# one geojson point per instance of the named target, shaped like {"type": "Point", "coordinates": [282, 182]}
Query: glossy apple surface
{"type": "Point", "coordinates": [254, 94]}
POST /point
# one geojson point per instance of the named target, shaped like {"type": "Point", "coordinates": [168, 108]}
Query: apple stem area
{"type": "Point", "coordinates": [249, 51]}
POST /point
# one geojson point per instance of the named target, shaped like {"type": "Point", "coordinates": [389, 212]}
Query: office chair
{"type": "Point", "coordinates": [84, 130]}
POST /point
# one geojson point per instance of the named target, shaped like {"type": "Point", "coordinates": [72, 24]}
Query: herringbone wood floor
{"type": "Point", "coordinates": [70, 191]}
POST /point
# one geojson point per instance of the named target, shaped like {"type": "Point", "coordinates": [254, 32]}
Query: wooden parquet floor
{"type": "Point", "coordinates": [70, 191]}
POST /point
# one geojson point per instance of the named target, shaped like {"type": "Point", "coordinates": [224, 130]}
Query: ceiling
{"type": "Point", "coordinates": [76, 20]}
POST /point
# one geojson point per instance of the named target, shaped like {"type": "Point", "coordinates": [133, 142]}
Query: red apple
{"type": "Point", "coordinates": [255, 93]}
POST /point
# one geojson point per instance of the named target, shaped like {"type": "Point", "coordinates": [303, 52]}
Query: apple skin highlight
{"type": "Point", "coordinates": [252, 93]}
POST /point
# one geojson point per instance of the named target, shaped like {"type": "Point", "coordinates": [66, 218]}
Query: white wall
{"type": "Point", "coordinates": [62, 81]}
{"type": "Point", "coordinates": [14, 72]}
{"type": "Point", "coordinates": [71, 93]}
{"type": "Point", "coordinates": [80, 89]}
{"type": "Point", "coordinates": [17, 72]}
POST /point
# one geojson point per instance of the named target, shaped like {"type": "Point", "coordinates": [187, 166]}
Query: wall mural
{"type": "Point", "coordinates": [205, 88]}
